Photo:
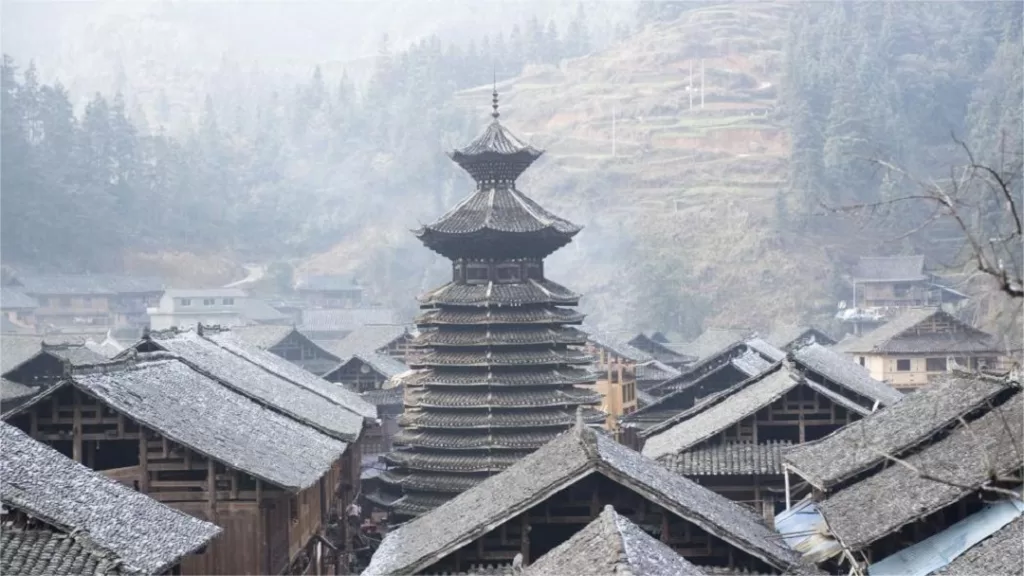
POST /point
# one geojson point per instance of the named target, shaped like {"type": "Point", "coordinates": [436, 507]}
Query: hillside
{"type": "Point", "coordinates": [691, 189]}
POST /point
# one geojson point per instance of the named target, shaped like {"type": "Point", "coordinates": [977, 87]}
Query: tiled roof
{"type": "Point", "coordinates": [363, 339]}
{"type": "Point", "coordinates": [143, 534]}
{"type": "Point", "coordinates": [385, 365]}
{"type": "Point", "coordinates": [890, 268]}
{"type": "Point", "coordinates": [10, 390]}
{"type": "Point", "coordinates": [1000, 553]}
{"type": "Point", "coordinates": [861, 445]}
{"type": "Point", "coordinates": [334, 394]}
{"type": "Point", "coordinates": [193, 409]}
{"type": "Point", "coordinates": [616, 345]}
{"type": "Point", "coordinates": [555, 377]}
{"type": "Point", "coordinates": [502, 398]}
{"type": "Point", "coordinates": [262, 337]}
{"type": "Point", "coordinates": [710, 419]}
{"type": "Point", "coordinates": [751, 363]}
{"type": "Point", "coordinates": [611, 545]}
{"type": "Point", "coordinates": [514, 357]}
{"type": "Point", "coordinates": [256, 310]}
{"type": "Point", "coordinates": [574, 454]}
{"type": "Point", "coordinates": [785, 335]}
{"type": "Point", "coordinates": [898, 336]}
{"type": "Point", "coordinates": [843, 371]}
{"type": "Point", "coordinates": [963, 461]}
{"type": "Point", "coordinates": [12, 298]}
{"type": "Point", "coordinates": [50, 553]}
{"type": "Point", "coordinates": [385, 396]}
{"type": "Point", "coordinates": [711, 341]}
{"type": "Point", "coordinates": [655, 371]}
{"type": "Point", "coordinates": [500, 336]}
{"type": "Point", "coordinates": [204, 293]}
{"type": "Point", "coordinates": [255, 382]}
{"type": "Point", "coordinates": [17, 348]}
{"type": "Point", "coordinates": [492, 294]}
{"type": "Point", "coordinates": [445, 462]}
{"type": "Point", "coordinates": [736, 458]}
{"type": "Point", "coordinates": [344, 319]}
{"type": "Point", "coordinates": [523, 315]}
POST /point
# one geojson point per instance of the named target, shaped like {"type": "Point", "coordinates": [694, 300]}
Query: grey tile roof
{"type": "Point", "coordinates": [569, 457]}
{"type": "Point", "coordinates": [107, 348]}
{"type": "Point", "coordinates": [17, 348]}
{"type": "Point", "coordinates": [8, 327]}
{"type": "Point", "coordinates": [612, 544]}
{"type": "Point", "coordinates": [10, 390]}
{"type": "Point", "coordinates": [344, 319]}
{"type": "Point", "coordinates": [616, 345]}
{"type": "Point", "coordinates": [384, 365]}
{"type": "Point", "coordinates": [731, 458]}
{"type": "Point", "coordinates": [195, 410]}
{"type": "Point", "coordinates": [842, 370]}
{"type": "Point", "coordinates": [385, 396]}
{"type": "Point", "coordinates": [960, 463]}
{"type": "Point", "coordinates": [256, 310]}
{"type": "Point", "coordinates": [12, 298]}
{"type": "Point", "coordinates": [897, 336]}
{"type": "Point", "coordinates": [858, 446]}
{"type": "Point", "coordinates": [890, 268]}
{"type": "Point", "coordinates": [284, 369]}
{"type": "Point", "coordinates": [363, 339]}
{"type": "Point", "coordinates": [710, 418]}
{"type": "Point", "coordinates": [262, 337]}
{"type": "Point", "coordinates": [204, 293]}
{"type": "Point", "coordinates": [76, 354]}
{"type": "Point", "coordinates": [518, 294]}
{"type": "Point", "coordinates": [712, 341]}
{"type": "Point", "coordinates": [785, 335]}
{"type": "Point", "coordinates": [765, 350]}
{"type": "Point", "coordinates": [255, 382]}
{"type": "Point", "coordinates": [655, 371]}
{"type": "Point", "coordinates": [47, 552]}
{"type": "Point", "coordinates": [751, 363]}
{"type": "Point", "coordinates": [144, 534]}
{"type": "Point", "coordinates": [1000, 553]}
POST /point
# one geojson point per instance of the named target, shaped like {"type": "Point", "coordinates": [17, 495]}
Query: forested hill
{"type": "Point", "coordinates": [701, 216]}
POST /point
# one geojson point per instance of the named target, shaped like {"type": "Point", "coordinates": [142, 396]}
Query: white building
{"type": "Point", "coordinates": [184, 308]}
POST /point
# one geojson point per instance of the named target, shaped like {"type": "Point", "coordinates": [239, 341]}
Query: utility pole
{"type": "Point", "coordinates": [701, 83]}
{"type": "Point", "coordinates": [690, 90]}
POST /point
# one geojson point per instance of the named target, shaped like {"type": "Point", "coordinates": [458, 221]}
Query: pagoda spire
{"type": "Point", "coordinates": [494, 98]}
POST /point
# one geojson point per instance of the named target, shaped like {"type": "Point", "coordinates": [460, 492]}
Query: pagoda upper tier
{"type": "Point", "coordinates": [497, 220]}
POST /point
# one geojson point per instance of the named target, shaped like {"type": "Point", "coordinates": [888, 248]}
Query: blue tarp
{"type": "Point", "coordinates": [939, 550]}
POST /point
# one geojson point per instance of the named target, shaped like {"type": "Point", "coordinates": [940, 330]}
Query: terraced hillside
{"type": "Point", "coordinates": [662, 181]}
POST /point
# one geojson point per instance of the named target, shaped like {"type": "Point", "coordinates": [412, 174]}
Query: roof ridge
{"type": "Point", "coordinates": [608, 523]}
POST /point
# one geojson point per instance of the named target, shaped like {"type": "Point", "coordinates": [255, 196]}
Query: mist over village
{"type": "Point", "coordinates": [438, 287]}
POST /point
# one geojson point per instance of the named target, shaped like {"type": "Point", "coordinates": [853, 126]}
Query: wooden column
{"type": "Point", "coordinates": [211, 489]}
{"type": "Point", "coordinates": [801, 424]}
{"type": "Point", "coordinates": [664, 526]}
{"type": "Point", "coordinates": [524, 537]}
{"type": "Point", "coordinates": [76, 428]}
{"type": "Point", "coordinates": [261, 530]}
{"type": "Point", "coordinates": [143, 462]}
{"type": "Point", "coordinates": [595, 503]}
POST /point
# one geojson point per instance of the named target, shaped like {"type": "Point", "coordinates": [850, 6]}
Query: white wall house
{"type": "Point", "coordinates": [184, 308]}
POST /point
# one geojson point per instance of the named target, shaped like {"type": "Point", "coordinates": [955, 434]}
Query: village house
{"type": "Point", "coordinates": [88, 304]}
{"type": "Point", "coordinates": [337, 323]}
{"type": "Point", "coordinates": [329, 291]}
{"type": "Point", "coordinates": [658, 347]}
{"type": "Point", "coordinates": [18, 310]}
{"type": "Point", "coordinates": [930, 485]}
{"type": "Point", "coordinates": [281, 444]}
{"type": "Point", "coordinates": [712, 341]}
{"type": "Point", "coordinates": [289, 343]}
{"type": "Point", "coordinates": [612, 544]}
{"type": "Point", "coordinates": [920, 343]}
{"type": "Point", "coordinates": [365, 371]}
{"type": "Point", "coordinates": [735, 363]}
{"type": "Point", "coordinates": [187, 308]}
{"type": "Point", "coordinates": [616, 368]}
{"type": "Point", "coordinates": [549, 496]}
{"type": "Point", "coordinates": [732, 443]}
{"type": "Point", "coordinates": [101, 527]}
{"type": "Point", "coordinates": [789, 337]}
{"type": "Point", "coordinates": [369, 356]}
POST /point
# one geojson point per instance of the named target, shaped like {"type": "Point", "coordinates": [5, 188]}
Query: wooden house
{"type": "Point", "coordinates": [89, 303]}
{"type": "Point", "coordinates": [898, 282]}
{"type": "Point", "coordinates": [18, 309]}
{"type": "Point", "coordinates": [549, 496]}
{"type": "Point", "coordinates": [660, 350]}
{"type": "Point", "coordinates": [99, 526]}
{"type": "Point", "coordinates": [788, 337]}
{"type": "Point", "coordinates": [338, 323]}
{"type": "Point", "coordinates": [918, 344]}
{"type": "Point", "coordinates": [732, 442]}
{"type": "Point", "coordinates": [930, 485]}
{"type": "Point", "coordinates": [280, 445]}
{"type": "Point", "coordinates": [711, 341]}
{"type": "Point", "coordinates": [365, 371]}
{"type": "Point", "coordinates": [290, 344]}
{"type": "Point", "coordinates": [717, 372]}
{"type": "Point", "coordinates": [187, 308]}
{"type": "Point", "coordinates": [616, 372]}
{"type": "Point", "coordinates": [45, 367]}
{"type": "Point", "coordinates": [612, 544]}
{"type": "Point", "coordinates": [389, 339]}
{"type": "Point", "coordinates": [329, 291]}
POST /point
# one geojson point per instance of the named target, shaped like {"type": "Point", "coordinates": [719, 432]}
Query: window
{"type": "Point", "coordinates": [209, 301]}
{"type": "Point", "coordinates": [533, 270]}
{"type": "Point", "coordinates": [901, 290]}
{"type": "Point", "coordinates": [86, 301]}
{"type": "Point", "coordinates": [903, 365]}
{"type": "Point", "coordinates": [476, 273]}
{"type": "Point", "coordinates": [43, 301]}
{"type": "Point", "coordinates": [508, 273]}
{"type": "Point", "coordinates": [65, 302]}
{"type": "Point", "coordinates": [293, 509]}
{"type": "Point", "coordinates": [935, 364]}
{"type": "Point", "coordinates": [229, 302]}
{"type": "Point", "coordinates": [861, 360]}
{"type": "Point", "coordinates": [186, 301]}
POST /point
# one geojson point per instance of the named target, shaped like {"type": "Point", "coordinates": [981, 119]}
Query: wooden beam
{"type": "Point", "coordinates": [211, 488]}
{"type": "Point", "coordinates": [120, 425]}
{"type": "Point", "coordinates": [524, 537]}
{"type": "Point", "coordinates": [143, 462]}
{"type": "Point", "coordinates": [165, 447]}
{"type": "Point", "coordinates": [76, 428]}
{"type": "Point", "coordinates": [234, 484]}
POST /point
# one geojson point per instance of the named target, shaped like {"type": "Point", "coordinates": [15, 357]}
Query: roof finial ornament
{"type": "Point", "coordinates": [494, 97]}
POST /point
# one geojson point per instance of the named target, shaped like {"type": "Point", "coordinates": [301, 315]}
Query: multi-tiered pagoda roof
{"type": "Point", "coordinates": [499, 364]}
